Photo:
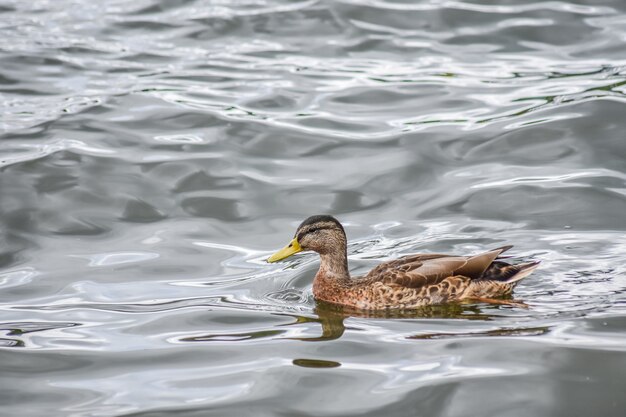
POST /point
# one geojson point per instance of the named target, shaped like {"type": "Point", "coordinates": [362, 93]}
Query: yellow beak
{"type": "Point", "coordinates": [292, 248]}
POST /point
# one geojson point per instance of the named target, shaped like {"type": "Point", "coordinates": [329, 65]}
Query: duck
{"type": "Point", "coordinates": [406, 283]}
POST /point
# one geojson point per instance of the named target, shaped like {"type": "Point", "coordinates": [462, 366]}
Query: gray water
{"type": "Point", "coordinates": [153, 154]}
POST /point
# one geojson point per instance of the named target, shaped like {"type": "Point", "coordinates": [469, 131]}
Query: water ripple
{"type": "Point", "coordinates": [152, 155]}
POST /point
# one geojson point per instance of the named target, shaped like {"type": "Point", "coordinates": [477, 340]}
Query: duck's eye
{"type": "Point", "coordinates": [314, 230]}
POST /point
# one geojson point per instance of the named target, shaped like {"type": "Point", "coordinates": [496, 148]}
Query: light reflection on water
{"type": "Point", "coordinates": [153, 154]}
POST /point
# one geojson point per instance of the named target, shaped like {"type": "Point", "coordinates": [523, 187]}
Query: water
{"type": "Point", "coordinates": [153, 155]}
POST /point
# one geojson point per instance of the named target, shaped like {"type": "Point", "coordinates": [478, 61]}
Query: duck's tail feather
{"type": "Point", "coordinates": [503, 249]}
{"type": "Point", "coordinates": [499, 280]}
{"type": "Point", "coordinates": [523, 270]}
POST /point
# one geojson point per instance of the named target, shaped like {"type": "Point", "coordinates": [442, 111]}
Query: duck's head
{"type": "Point", "coordinates": [322, 234]}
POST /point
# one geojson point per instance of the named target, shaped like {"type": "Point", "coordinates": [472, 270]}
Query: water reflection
{"type": "Point", "coordinates": [21, 332]}
{"type": "Point", "coordinates": [522, 331]}
{"type": "Point", "coordinates": [233, 337]}
{"type": "Point", "coordinates": [331, 317]}
{"type": "Point", "coordinates": [315, 363]}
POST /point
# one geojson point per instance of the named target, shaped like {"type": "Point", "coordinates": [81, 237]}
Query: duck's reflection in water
{"type": "Point", "coordinates": [331, 317]}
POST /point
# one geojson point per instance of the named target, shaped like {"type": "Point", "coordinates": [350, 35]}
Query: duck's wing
{"type": "Point", "coordinates": [405, 263]}
{"type": "Point", "coordinates": [422, 274]}
{"type": "Point", "coordinates": [477, 265]}
{"type": "Point", "coordinates": [417, 271]}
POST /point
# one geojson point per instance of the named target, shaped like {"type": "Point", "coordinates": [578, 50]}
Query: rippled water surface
{"type": "Point", "coordinates": [153, 154]}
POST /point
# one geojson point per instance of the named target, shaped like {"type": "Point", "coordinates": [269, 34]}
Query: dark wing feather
{"type": "Point", "coordinates": [499, 271]}
{"type": "Point", "coordinates": [504, 272]}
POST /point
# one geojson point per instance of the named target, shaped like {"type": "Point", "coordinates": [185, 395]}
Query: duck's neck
{"type": "Point", "coordinates": [334, 266]}
{"type": "Point", "coordinates": [333, 278]}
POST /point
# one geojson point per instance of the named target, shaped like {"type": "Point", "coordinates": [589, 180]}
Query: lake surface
{"type": "Point", "coordinates": [153, 154]}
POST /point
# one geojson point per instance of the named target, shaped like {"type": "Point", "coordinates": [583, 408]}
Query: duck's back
{"type": "Point", "coordinates": [417, 280]}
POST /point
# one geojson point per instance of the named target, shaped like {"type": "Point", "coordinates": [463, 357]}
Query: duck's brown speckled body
{"type": "Point", "coordinates": [405, 283]}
